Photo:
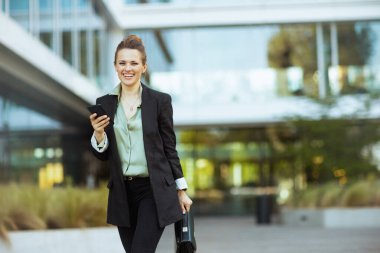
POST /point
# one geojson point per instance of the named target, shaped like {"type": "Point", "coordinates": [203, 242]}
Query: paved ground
{"type": "Point", "coordinates": [222, 235]}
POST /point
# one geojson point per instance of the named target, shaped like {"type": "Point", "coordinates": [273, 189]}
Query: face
{"type": "Point", "coordinates": [129, 66]}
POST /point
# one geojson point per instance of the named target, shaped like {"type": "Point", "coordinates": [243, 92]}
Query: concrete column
{"type": "Point", "coordinates": [322, 89]}
{"type": "Point", "coordinates": [6, 7]}
{"type": "Point", "coordinates": [334, 45]}
{"type": "Point", "coordinates": [333, 79]}
{"type": "Point", "coordinates": [75, 37]}
{"type": "Point", "coordinates": [30, 17]}
{"type": "Point", "coordinates": [57, 29]}
{"type": "Point", "coordinates": [36, 19]}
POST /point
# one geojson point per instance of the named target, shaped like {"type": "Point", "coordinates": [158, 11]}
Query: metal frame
{"type": "Point", "coordinates": [321, 62]}
{"type": "Point", "coordinates": [170, 15]}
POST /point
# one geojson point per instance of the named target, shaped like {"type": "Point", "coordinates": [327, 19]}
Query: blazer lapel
{"type": "Point", "coordinates": [110, 106]}
{"type": "Point", "coordinates": [147, 115]}
{"type": "Point", "coordinates": [146, 107]}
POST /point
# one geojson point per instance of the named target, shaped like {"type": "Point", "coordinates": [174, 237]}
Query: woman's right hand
{"type": "Point", "coordinates": [99, 123]}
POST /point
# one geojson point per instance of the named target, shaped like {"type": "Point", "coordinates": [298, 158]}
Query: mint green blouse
{"type": "Point", "coordinates": [130, 143]}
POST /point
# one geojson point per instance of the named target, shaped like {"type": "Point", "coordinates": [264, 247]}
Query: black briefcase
{"type": "Point", "coordinates": [184, 234]}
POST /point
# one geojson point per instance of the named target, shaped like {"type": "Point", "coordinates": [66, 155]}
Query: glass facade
{"type": "Point", "coordinates": [228, 167]}
{"type": "Point", "coordinates": [270, 61]}
{"type": "Point", "coordinates": [36, 148]}
{"type": "Point", "coordinates": [26, 142]}
{"type": "Point", "coordinates": [357, 67]}
{"type": "Point", "coordinates": [67, 28]}
{"type": "Point", "coordinates": [66, 47]}
{"type": "Point", "coordinates": [83, 52]}
{"type": "Point", "coordinates": [225, 166]}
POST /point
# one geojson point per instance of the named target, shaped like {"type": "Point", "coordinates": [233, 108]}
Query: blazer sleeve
{"type": "Point", "coordinates": [103, 155]}
{"type": "Point", "coordinates": [166, 128]}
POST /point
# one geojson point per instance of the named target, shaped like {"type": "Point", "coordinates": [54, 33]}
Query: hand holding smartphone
{"type": "Point", "coordinates": [98, 109]}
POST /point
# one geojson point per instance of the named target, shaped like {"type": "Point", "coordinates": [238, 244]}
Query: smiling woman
{"type": "Point", "coordinates": [130, 65]}
{"type": "Point", "coordinates": [145, 193]}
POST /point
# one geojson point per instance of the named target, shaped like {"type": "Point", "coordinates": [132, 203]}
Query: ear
{"type": "Point", "coordinates": [145, 68]}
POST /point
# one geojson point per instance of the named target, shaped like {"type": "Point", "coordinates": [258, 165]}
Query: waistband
{"type": "Point", "coordinates": [135, 178]}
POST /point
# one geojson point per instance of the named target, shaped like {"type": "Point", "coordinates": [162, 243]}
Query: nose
{"type": "Point", "coordinates": [128, 67]}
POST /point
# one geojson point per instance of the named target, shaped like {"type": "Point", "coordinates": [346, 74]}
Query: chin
{"type": "Point", "coordinates": [129, 83]}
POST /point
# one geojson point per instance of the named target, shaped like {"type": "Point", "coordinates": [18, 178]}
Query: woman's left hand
{"type": "Point", "coordinates": [184, 201]}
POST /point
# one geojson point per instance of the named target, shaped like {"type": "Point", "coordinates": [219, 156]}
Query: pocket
{"type": "Point", "coordinates": [169, 180]}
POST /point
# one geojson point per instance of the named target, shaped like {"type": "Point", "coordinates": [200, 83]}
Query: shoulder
{"type": "Point", "coordinates": [106, 97]}
{"type": "Point", "coordinates": [159, 95]}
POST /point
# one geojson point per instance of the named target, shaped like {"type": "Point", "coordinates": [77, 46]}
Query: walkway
{"type": "Point", "coordinates": [214, 235]}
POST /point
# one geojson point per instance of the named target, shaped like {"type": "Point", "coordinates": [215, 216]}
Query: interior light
{"type": "Point", "coordinates": [50, 153]}
{"type": "Point", "coordinates": [201, 163]}
{"type": "Point", "coordinates": [38, 153]}
{"type": "Point", "coordinates": [58, 152]}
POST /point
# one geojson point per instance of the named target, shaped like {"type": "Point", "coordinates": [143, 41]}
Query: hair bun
{"type": "Point", "coordinates": [132, 42]}
{"type": "Point", "coordinates": [132, 38]}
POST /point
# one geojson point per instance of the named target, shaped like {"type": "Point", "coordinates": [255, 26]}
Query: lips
{"type": "Point", "coordinates": [128, 75]}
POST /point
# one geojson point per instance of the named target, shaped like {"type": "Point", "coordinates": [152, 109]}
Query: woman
{"type": "Point", "coordinates": [136, 137]}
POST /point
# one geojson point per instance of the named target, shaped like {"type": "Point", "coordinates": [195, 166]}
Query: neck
{"type": "Point", "coordinates": [128, 91]}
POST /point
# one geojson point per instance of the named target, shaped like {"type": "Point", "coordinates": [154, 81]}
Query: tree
{"type": "Point", "coordinates": [296, 46]}
{"type": "Point", "coordinates": [335, 149]}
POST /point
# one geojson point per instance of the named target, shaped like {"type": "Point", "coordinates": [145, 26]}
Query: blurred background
{"type": "Point", "coordinates": [276, 103]}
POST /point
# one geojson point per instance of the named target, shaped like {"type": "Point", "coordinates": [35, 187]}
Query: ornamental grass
{"type": "Point", "coordinates": [26, 207]}
{"type": "Point", "coordinates": [361, 193]}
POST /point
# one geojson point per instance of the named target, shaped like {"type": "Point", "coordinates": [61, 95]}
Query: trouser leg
{"type": "Point", "coordinates": [144, 234]}
{"type": "Point", "coordinates": [148, 232]}
{"type": "Point", "coordinates": [126, 236]}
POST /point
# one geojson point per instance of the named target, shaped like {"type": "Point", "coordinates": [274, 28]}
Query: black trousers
{"type": "Point", "coordinates": [144, 234]}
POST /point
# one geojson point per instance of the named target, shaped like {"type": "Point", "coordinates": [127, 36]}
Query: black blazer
{"type": "Point", "coordinates": [161, 154]}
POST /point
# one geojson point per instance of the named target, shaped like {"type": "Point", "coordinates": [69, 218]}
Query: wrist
{"type": "Point", "coordinates": [99, 137]}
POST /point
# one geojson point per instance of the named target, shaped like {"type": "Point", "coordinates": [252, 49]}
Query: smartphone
{"type": "Point", "coordinates": [98, 109]}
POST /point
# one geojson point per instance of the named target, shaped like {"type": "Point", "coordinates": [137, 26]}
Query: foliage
{"type": "Point", "coordinates": [25, 207]}
{"type": "Point", "coordinates": [333, 150]}
{"type": "Point", "coordinates": [296, 45]}
{"type": "Point", "coordinates": [362, 193]}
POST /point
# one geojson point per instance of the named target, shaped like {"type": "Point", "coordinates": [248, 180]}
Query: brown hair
{"type": "Point", "coordinates": [132, 42]}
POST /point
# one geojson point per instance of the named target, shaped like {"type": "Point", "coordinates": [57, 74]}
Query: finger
{"type": "Point", "coordinates": [92, 116]}
{"type": "Point", "coordinates": [101, 127]}
{"type": "Point", "coordinates": [101, 118]}
{"type": "Point", "coordinates": [101, 123]}
{"type": "Point", "coordinates": [95, 120]}
{"type": "Point", "coordinates": [183, 209]}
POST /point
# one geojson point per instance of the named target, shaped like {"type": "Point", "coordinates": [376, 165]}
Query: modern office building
{"type": "Point", "coordinates": [238, 72]}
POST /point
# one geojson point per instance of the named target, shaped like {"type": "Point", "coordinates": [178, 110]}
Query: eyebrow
{"type": "Point", "coordinates": [127, 61]}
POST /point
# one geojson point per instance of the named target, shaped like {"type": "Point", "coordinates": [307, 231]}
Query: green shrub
{"type": "Point", "coordinates": [359, 194]}
{"type": "Point", "coordinates": [28, 207]}
{"type": "Point", "coordinates": [330, 195]}
{"type": "Point", "coordinates": [362, 193]}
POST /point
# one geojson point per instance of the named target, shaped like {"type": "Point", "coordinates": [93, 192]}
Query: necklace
{"type": "Point", "coordinates": [131, 106]}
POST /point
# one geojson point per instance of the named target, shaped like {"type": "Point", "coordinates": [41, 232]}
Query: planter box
{"type": "Point", "coordinates": [332, 217]}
